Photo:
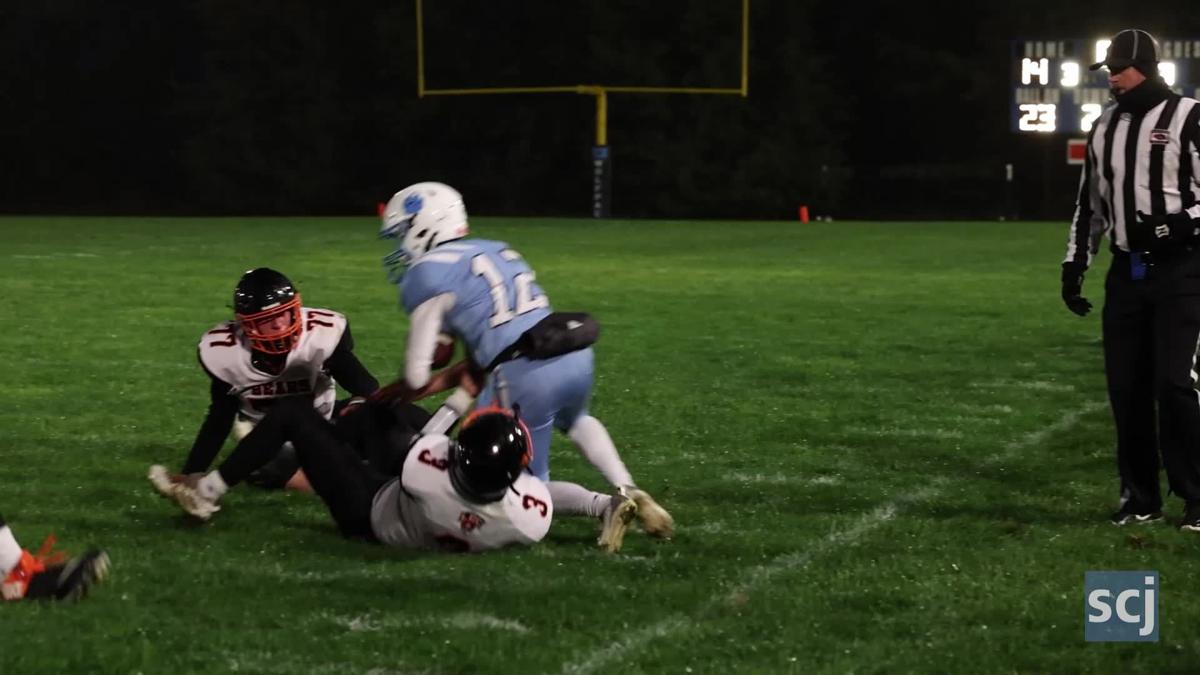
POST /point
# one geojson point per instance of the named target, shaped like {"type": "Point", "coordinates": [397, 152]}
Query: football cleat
{"type": "Point", "coordinates": [654, 518]}
{"type": "Point", "coordinates": [1131, 514]}
{"type": "Point", "coordinates": [615, 521]}
{"type": "Point", "coordinates": [45, 576]}
{"type": "Point", "coordinates": [182, 490]}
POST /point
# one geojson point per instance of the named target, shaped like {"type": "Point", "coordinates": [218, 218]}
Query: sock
{"type": "Point", "coordinates": [597, 447]}
{"type": "Point", "coordinates": [571, 499]}
{"type": "Point", "coordinates": [10, 551]}
{"type": "Point", "coordinates": [212, 486]}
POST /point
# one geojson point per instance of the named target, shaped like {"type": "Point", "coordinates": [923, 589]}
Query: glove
{"type": "Point", "coordinates": [1072, 288]}
{"type": "Point", "coordinates": [1170, 228]}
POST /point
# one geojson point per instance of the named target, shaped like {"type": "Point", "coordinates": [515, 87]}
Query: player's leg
{"type": "Point", "coordinates": [615, 511]}
{"type": "Point", "coordinates": [10, 550]}
{"type": "Point", "coordinates": [382, 432]}
{"type": "Point", "coordinates": [342, 480]}
{"type": "Point", "coordinates": [589, 434]}
{"type": "Point", "coordinates": [524, 384]}
{"type": "Point", "coordinates": [573, 374]}
{"type": "Point", "coordinates": [288, 419]}
{"type": "Point", "coordinates": [28, 576]}
{"type": "Point", "coordinates": [282, 472]}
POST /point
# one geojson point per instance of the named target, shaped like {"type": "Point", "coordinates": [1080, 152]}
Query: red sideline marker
{"type": "Point", "coordinates": [380, 208]}
{"type": "Point", "coordinates": [803, 213]}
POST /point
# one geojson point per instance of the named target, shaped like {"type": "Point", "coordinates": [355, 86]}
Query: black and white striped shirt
{"type": "Point", "coordinates": [1148, 163]}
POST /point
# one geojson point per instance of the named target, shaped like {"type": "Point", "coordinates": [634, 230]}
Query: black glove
{"type": "Point", "coordinates": [1072, 287]}
{"type": "Point", "coordinates": [1170, 228]}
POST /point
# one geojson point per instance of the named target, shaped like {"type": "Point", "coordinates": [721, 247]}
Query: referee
{"type": "Point", "coordinates": [1139, 185]}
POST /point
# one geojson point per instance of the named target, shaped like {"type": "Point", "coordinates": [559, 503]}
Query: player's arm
{"type": "Point", "coordinates": [463, 375]}
{"type": "Point", "coordinates": [222, 409]}
{"type": "Point", "coordinates": [469, 379]}
{"type": "Point", "coordinates": [343, 365]}
{"type": "Point", "coordinates": [425, 324]}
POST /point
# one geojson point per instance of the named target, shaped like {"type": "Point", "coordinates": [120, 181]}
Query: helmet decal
{"type": "Point", "coordinates": [418, 219]}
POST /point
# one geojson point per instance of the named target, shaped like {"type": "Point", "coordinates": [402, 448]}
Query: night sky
{"type": "Point", "coordinates": [886, 110]}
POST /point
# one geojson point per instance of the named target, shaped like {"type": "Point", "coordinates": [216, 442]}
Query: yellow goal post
{"type": "Point", "coordinates": [602, 179]}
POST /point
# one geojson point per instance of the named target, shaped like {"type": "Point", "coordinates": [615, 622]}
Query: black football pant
{"type": "Point", "coordinates": [1151, 328]}
{"type": "Point", "coordinates": [346, 463]}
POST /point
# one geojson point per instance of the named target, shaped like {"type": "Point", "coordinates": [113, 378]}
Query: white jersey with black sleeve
{"type": "Point", "coordinates": [226, 355]}
{"type": "Point", "coordinates": [420, 509]}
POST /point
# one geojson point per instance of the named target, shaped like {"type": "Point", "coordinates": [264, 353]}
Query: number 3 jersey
{"type": "Point", "coordinates": [226, 356]}
{"type": "Point", "coordinates": [496, 296]}
{"type": "Point", "coordinates": [420, 509]}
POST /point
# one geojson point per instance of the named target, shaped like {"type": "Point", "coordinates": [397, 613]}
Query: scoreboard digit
{"type": "Point", "coordinates": [1054, 92]}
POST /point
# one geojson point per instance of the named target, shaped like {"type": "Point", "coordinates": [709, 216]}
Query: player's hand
{"type": "Point", "coordinates": [470, 380]}
{"type": "Point", "coordinates": [443, 351]}
{"type": "Point", "coordinates": [1072, 289]}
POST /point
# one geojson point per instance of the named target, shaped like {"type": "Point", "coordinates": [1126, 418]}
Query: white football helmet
{"type": "Point", "coordinates": [419, 218]}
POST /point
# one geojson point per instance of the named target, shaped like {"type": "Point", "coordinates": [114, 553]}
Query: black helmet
{"type": "Point", "coordinates": [493, 448]}
{"type": "Point", "coordinates": [263, 296]}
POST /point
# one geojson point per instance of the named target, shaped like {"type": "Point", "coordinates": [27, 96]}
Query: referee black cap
{"type": "Point", "coordinates": [1130, 47]}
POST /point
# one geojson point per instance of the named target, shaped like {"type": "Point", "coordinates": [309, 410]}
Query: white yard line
{"type": "Point", "coordinates": [893, 432]}
{"type": "Point", "coordinates": [1031, 385]}
{"type": "Point", "coordinates": [781, 479]}
{"type": "Point", "coordinates": [758, 576]}
{"type": "Point", "coordinates": [368, 623]}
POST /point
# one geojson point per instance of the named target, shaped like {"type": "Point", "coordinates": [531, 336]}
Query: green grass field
{"type": "Point", "coordinates": [887, 447]}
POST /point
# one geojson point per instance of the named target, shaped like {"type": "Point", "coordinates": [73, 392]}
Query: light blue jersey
{"type": "Point", "coordinates": [496, 295]}
{"type": "Point", "coordinates": [496, 299]}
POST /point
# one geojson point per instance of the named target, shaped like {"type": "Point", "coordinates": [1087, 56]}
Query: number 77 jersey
{"type": "Point", "coordinates": [490, 292]}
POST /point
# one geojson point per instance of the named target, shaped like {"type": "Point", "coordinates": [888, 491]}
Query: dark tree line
{"type": "Point", "coordinates": [892, 110]}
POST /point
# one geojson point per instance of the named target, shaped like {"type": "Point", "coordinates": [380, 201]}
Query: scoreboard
{"type": "Point", "coordinates": [1054, 92]}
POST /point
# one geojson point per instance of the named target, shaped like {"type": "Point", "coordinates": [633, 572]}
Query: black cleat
{"type": "Point", "coordinates": [1191, 518]}
{"type": "Point", "coordinates": [68, 581]}
{"type": "Point", "coordinates": [1134, 514]}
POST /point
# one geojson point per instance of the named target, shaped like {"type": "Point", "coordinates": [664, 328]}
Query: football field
{"type": "Point", "coordinates": [887, 448]}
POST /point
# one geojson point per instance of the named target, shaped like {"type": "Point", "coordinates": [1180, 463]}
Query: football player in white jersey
{"type": "Point", "coordinates": [469, 494]}
{"type": "Point", "coordinates": [274, 349]}
{"type": "Point", "coordinates": [485, 293]}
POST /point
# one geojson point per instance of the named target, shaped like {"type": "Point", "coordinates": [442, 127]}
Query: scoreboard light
{"type": "Point", "coordinates": [1054, 92]}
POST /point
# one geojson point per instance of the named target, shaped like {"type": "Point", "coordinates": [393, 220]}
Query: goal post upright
{"type": "Point", "coordinates": [601, 153]}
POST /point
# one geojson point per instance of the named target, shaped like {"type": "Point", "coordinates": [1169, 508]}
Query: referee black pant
{"type": "Point", "coordinates": [1151, 332]}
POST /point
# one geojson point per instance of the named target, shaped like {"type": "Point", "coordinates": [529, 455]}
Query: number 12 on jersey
{"type": "Point", "coordinates": [526, 301]}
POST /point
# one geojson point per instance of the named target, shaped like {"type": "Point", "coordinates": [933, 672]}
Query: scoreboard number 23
{"type": "Point", "coordinates": [1055, 92]}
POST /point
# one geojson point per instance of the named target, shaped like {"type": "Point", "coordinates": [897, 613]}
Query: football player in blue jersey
{"type": "Point", "coordinates": [484, 293]}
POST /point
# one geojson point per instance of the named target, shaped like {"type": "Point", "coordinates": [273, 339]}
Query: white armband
{"type": "Point", "coordinates": [454, 407]}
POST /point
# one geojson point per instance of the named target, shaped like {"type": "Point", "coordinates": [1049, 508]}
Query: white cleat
{"type": "Point", "coordinates": [655, 519]}
{"type": "Point", "coordinates": [182, 490]}
{"type": "Point", "coordinates": [615, 521]}
{"type": "Point", "coordinates": [161, 479]}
